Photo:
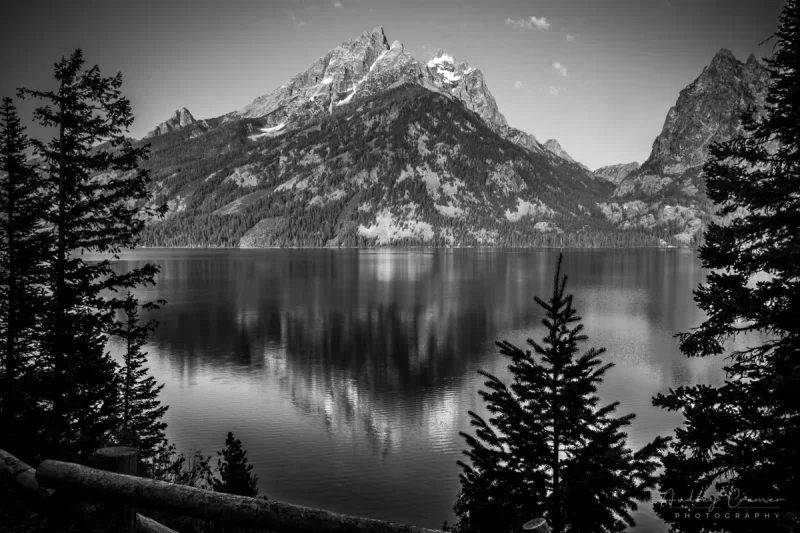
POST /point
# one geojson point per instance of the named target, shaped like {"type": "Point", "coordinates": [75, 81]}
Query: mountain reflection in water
{"type": "Point", "coordinates": [347, 374]}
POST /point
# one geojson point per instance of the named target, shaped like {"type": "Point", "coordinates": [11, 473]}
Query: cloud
{"type": "Point", "coordinates": [529, 23]}
{"type": "Point", "coordinates": [570, 37]}
{"type": "Point", "coordinates": [560, 68]}
{"type": "Point", "coordinates": [337, 5]}
{"type": "Point", "coordinates": [553, 90]}
{"type": "Point", "coordinates": [518, 84]}
{"type": "Point", "coordinates": [298, 22]}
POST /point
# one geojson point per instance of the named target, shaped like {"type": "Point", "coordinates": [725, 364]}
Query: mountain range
{"type": "Point", "coordinates": [369, 146]}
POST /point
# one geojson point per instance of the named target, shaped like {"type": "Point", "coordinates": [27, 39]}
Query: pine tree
{"type": "Point", "coordinates": [235, 476]}
{"type": "Point", "coordinates": [742, 438]}
{"type": "Point", "coordinates": [141, 410]}
{"type": "Point", "coordinates": [96, 189]}
{"type": "Point", "coordinates": [24, 249]}
{"type": "Point", "coordinates": [548, 445]}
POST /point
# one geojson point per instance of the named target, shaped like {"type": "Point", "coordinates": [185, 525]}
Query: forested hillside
{"type": "Point", "coordinates": [406, 167]}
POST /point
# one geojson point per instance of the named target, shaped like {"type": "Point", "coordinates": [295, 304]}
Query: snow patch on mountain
{"type": "Point", "coordinates": [273, 131]}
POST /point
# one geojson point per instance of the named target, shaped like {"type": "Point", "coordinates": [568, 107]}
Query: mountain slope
{"type": "Point", "coordinates": [363, 67]}
{"type": "Point", "coordinates": [668, 190]}
{"type": "Point", "coordinates": [553, 146]}
{"type": "Point", "coordinates": [616, 173]}
{"type": "Point", "coordinates": [406, 166]}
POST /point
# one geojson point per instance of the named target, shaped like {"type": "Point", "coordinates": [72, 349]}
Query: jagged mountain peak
{"type": "Point", "coordinates": [553, 146]}
{"type": "Point", "coordinates": [184, 114]}
{"type": "Point", "coordinates": [180, 119]}
{"type": "Point", "coordinates": [376, 36]}
{"type": "Point", "coordinates": [359, 68]}
{"type": "Point", "coordinates": [707, 111]}
{"type": "Point", "coordinates": [723, 55]}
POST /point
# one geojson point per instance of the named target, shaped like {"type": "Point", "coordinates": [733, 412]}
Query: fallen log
{"type": "Point", "coordinates": [211, 506]}
{"type": "Point", "coordinates": [24, 476]}
{"type": "Point", "coordinates": [148, 525]}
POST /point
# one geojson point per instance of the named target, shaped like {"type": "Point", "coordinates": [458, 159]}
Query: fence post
{"type": "Point", "coordinates": [122, 460]}
{"type": "Point", "coordinates": [537, 525]}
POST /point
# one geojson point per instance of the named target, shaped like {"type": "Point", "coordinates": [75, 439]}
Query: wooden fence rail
{"type": "Point", "coordinates": [211, 506]}
{"type": "Point", "coordinates": [128, 491]}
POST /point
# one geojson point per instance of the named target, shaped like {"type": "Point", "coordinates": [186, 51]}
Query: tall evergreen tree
{"type": "Point", "coordinates": [97, 191]}
{"type": "Point", "coordinates": [24, 247]}
{"type": "Point", "coordinates": [141, 410]}
{"type": "Point", "coordinates": [235, 474]}
{"type": "Point", "coordinates": [548, 449]}
{"type": "Point", "coordinates": [742, 437]}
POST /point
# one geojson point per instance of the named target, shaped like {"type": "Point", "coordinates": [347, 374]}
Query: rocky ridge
{"type": "Point", "coordinates": [362, 67]}
{"type": "Point", "coordinates": [406, 166]}
{"type": "Point", "coordinates": [664, 197]}
{"type": "Point", "coordinates": [668, 188]}
{"type": "Point", "coordinates": [180, 120]}
{"type": "Point", "coordinates": [616, 173]}
{"type": "Point", "coordinates": [555, 148]}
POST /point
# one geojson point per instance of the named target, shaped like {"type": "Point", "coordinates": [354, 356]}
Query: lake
{"type": "Point", "coordinates": [347, 374]}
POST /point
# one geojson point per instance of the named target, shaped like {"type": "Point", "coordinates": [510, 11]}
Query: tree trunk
{"type": "Point", "coordinates": [60, 325]}
{"type": "Point", "coordinates": [537, 525]}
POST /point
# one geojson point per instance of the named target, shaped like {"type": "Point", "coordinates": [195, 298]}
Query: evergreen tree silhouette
{"type": "Point", "coordinates": [741, 438]}
{"type": "Point", "coordinates": [24, 250]}
{"type": "Point", "coordinates": [96, 192]}
{"type": "Point", "coordinates": [548, 449]}
{"type": "Point", "coordinates": [235, 476]}
{"type": "Point", "coordinates": [141, 410]}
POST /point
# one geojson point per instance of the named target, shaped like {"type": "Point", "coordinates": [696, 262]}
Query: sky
{"type": "Point", "coordinates": [599, 76]}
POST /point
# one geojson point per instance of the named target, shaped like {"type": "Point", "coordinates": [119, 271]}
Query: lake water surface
{"type": "Point", "coordinates": [347, 374]}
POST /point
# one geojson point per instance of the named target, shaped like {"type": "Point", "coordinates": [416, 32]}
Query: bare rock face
{"type": "Point", "coordinates": [526, 140]}
{"type": "Point", "coordinates": [707, 111]}
{"type": "Point", "coordinates": [467, 85]}
{"type": "Point", "coordinates": [181, 119]}
{"type": "Point", "coordinates": [553, 147]}
{"type": "Point", "coordinates": [362, 67]}
{"type": "Point", "coordinates": [616, 173]}
{"type": "Point", "coordinates": [333, 78]}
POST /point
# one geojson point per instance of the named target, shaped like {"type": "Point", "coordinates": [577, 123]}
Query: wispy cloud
{"type": "Point", "coordinates": [570, 37]}
{"type": "Point", "coordinates": [297, 21]}
{"type": "Point", "coordinates": [429, 51]}
{"type": "Point", "coordinates": [529, 23]}
{"type": "Point", "coordinates": [553, 90]}
{"type": "Point", "coordinates": [518, 85]}
{"type": "Point", "coordinates": [337, 5]}
{"type": "Point", "coordinates": [560, 68]}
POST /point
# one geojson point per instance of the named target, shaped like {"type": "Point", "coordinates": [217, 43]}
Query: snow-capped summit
{"type": "Point", "coordinates": [361, 67]}
{"type": "Point", "coordinates": [439, 58]}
